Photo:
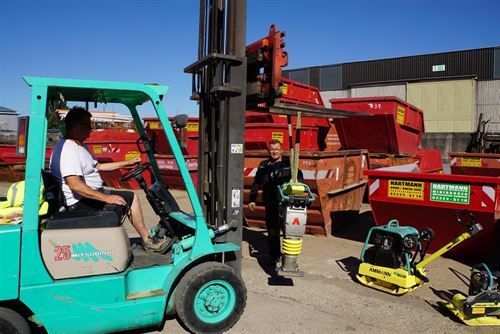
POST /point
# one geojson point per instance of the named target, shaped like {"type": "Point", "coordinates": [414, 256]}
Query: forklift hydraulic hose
{"type": "Point", "coordinates": [188, 242]}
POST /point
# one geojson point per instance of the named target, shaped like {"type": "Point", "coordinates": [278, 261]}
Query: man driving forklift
{"type": "Point", "coordinates": [77, 171]}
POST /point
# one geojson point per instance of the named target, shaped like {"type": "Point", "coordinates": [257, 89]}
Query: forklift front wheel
{"type": "Point", "coordinates": [12, 322]}
{"type": "Point", "coordinates": [210, 298]}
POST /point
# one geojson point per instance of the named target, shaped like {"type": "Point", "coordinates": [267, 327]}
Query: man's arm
{"type": "Point", "coordinates": [110, 166]}
{"type": "Point", "coordinates": [79, 187]}
{"type": "Point", "coordinates": [257, 182]}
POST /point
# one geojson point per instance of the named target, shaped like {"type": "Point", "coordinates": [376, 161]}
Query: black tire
{"type": "Point", "coordinates": [215, 283]}
{"type": "Point", "coordinates": [12, 322]}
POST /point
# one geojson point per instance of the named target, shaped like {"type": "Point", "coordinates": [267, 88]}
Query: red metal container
{"type": "Point", "coordinates": [335, 178]}
{"type": "Point", "coordinates": [113, 144]}
{"type": "Point", "coordinates": [13, 165]}
{"type": "Point", "coordinates": [485, 164]}
{"type": "Point", "coordinates": [267, 117]}
{"type": "Point", "coordinates": [396, 126]}
{"type": "Point", "coordinates": [188, 137]}
{"type": "Point", "coordinates": [431, 200]}
{"type": "Point", "coordinates": [258, 135]}
{"type": "Point", "coordinates": [170, 173]}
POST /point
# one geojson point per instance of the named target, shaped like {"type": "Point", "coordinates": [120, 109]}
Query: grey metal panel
{"type": "Point", "coordinates": [334, 94]}
{"type": "Point", "coordinates": [314, 76]}
{"type": "Point", "coordinates": [496, 63]}
{"type": "Point", "coordinates": [391, 90]}
{"type": "Point", "coordinates": [300, 75]}
{"type": "Point", "coordinates": [330, 78]}
{"type": "Point", "coordinates": [488, 92]}
{"type": "Point", "coordinates": [468, 63]}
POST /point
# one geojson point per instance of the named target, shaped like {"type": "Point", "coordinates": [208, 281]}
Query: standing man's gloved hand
{"type": "Point", "coordinates": [251, 206]}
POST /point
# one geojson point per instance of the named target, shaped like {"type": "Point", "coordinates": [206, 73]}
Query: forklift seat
{"type": "Point", "coordinates": [60, 218]}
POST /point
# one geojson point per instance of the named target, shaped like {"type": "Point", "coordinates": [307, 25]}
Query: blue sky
{"type": "Point", "coordinates": [154, 40]}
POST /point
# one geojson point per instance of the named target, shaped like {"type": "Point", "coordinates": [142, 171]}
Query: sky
{"type": "Point", "coordinates": [154, 40]}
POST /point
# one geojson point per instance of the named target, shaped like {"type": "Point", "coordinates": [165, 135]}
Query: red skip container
{"type": "Point", "coordinates": [396, 126]}
{"type": "Point", "coordinates": [431, 200]}
{"type": "Point", "coordinates": [485, 164]}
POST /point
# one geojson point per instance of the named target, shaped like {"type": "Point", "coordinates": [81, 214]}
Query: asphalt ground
{"type": "Point", "coordinates": [328, 299]}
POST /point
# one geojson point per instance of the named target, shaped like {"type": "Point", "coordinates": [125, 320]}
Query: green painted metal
{"type": "Point", "coordinates": [91, 305]}
{"type": "Point", "coordinates": [100, 303]}
{"type": "Point", "coordinates": [184, 218]}
{"type": "Point", "coordinates": [215, 301]}
{"type": "Point", "coordinates": [202, 244]}
{"type": "Point", "coordinates": [10, 244]}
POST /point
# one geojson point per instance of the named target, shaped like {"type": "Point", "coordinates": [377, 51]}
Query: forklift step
{"type": "Point", "coordinates": [143, 259]}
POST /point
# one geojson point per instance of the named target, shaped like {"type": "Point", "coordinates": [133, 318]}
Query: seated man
{"type": "Point", "coordinates": [75, 168]}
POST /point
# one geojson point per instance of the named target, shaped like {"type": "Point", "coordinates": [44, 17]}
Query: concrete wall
{"type": "Point", "coordinates": [446, 142]}
{"type": "Point", "coordinates": [334, 94]}
{"type": "Point", "coordinates": [390, 90]}
{"type": "Point", "coordinates": [488, 103]}
{"type": "Point", "coordinates": [8, 122]}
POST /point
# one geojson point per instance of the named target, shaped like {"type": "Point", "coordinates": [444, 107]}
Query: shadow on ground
{"type": "Point", "coordinates": [352, 225]}
{"type": "Point", "coordinates": [349, 265]}
{"type": "Point", "coordinates": [258, 249]}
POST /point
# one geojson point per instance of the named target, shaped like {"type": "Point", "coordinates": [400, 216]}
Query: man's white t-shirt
{"type": "Point", "coordinates": [70, 158]}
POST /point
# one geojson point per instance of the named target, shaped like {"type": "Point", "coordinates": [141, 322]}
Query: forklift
{"type": "Point", "coordinates": [81, 274]}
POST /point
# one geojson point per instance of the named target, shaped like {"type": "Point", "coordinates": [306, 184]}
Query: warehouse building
{"type": "Point", "coordinates": [452, 88]}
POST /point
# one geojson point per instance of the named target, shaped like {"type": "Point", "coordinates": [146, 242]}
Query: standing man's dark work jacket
{"type": "Point", "coordinates": [268, 177]}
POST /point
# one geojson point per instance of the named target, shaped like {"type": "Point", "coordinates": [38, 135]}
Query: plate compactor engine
{"type": "Point", "coordinates": [482, 306]}
{"type": "Point", "coordinates": [395, 246]}
{"type": "Point", "coordinates": [396, 262]}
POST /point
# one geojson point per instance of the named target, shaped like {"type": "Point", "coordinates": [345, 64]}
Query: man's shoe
{"type": "Point", "coordinates": [155, 245]}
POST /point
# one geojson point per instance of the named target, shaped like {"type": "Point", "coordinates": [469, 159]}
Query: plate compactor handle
{"type": "Point", "coordinates": [466, 218]}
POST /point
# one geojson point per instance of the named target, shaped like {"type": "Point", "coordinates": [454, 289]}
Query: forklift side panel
{"type": "Point", "coordinates": [10, 250]}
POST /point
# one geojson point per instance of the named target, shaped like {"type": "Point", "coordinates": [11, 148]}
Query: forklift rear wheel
{"type": "Point", "coordinates": [210, 298]}
{"type": "Point", "coordinates": [12, 322]}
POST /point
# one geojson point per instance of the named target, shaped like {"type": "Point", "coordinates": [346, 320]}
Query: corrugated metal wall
{"type": "Point", "coordinates": [449, 106]}
{"type": "Point", "coordinates": [483, 64]}
{"type": "Point", "coordinates": [475, 63]}
{"type": "Point", "coordinates": [488, 103]}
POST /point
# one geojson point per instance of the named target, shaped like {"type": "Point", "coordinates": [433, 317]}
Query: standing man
{"type": "Point", "coordinates": [75, 168]}
{"type": "Point", "coordinates": [272, 172]}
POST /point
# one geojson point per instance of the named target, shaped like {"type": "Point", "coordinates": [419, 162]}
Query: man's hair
{"type": "Point", "coordinates": [274, 142]}
{"type": "Point", "coordinates": [75, 115]}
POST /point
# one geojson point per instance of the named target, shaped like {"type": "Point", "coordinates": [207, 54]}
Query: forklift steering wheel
{"type": "Point", "coordinates": [135, 172]}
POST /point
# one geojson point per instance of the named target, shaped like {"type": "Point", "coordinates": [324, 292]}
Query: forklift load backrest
{"type": "Point", "coordinates": [53, 193]}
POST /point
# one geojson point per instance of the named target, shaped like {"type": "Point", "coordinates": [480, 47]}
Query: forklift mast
{"type": "Point", "coordinates": [219, 87]}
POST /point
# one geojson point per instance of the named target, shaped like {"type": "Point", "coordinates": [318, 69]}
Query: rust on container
{"type": "Point", "coordinates": [335, 178]}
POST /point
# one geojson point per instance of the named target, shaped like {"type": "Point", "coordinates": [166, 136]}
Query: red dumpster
{"type": "Point", "coordinates": [335, 178]}
{"type": "Point", "coordinates": [396, 126]}
{"type": "Point", "coordinates": [170, 173]}
{"type": "Point", "coordinates": [188, 137]}
{"type": "Point", "coordinates": [431, 200]}
{"type": "Point", "coordinates": [485, 164]}
{"type": "Point", "coordinates": [258, 135]}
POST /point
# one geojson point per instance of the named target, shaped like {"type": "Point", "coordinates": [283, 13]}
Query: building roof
{"type": "Point", "coordinates": [5, 110]}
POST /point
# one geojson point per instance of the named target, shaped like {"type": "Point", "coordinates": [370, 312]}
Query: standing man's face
{"type": "Point", "coordinates": [275, 151]}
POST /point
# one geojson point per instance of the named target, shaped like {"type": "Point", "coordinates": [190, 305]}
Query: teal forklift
{"type": "Point", "coordinates": [80, 274]}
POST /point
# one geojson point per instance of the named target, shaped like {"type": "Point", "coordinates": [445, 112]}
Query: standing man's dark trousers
{"type": "Point", "coordinates": [273, 224]}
